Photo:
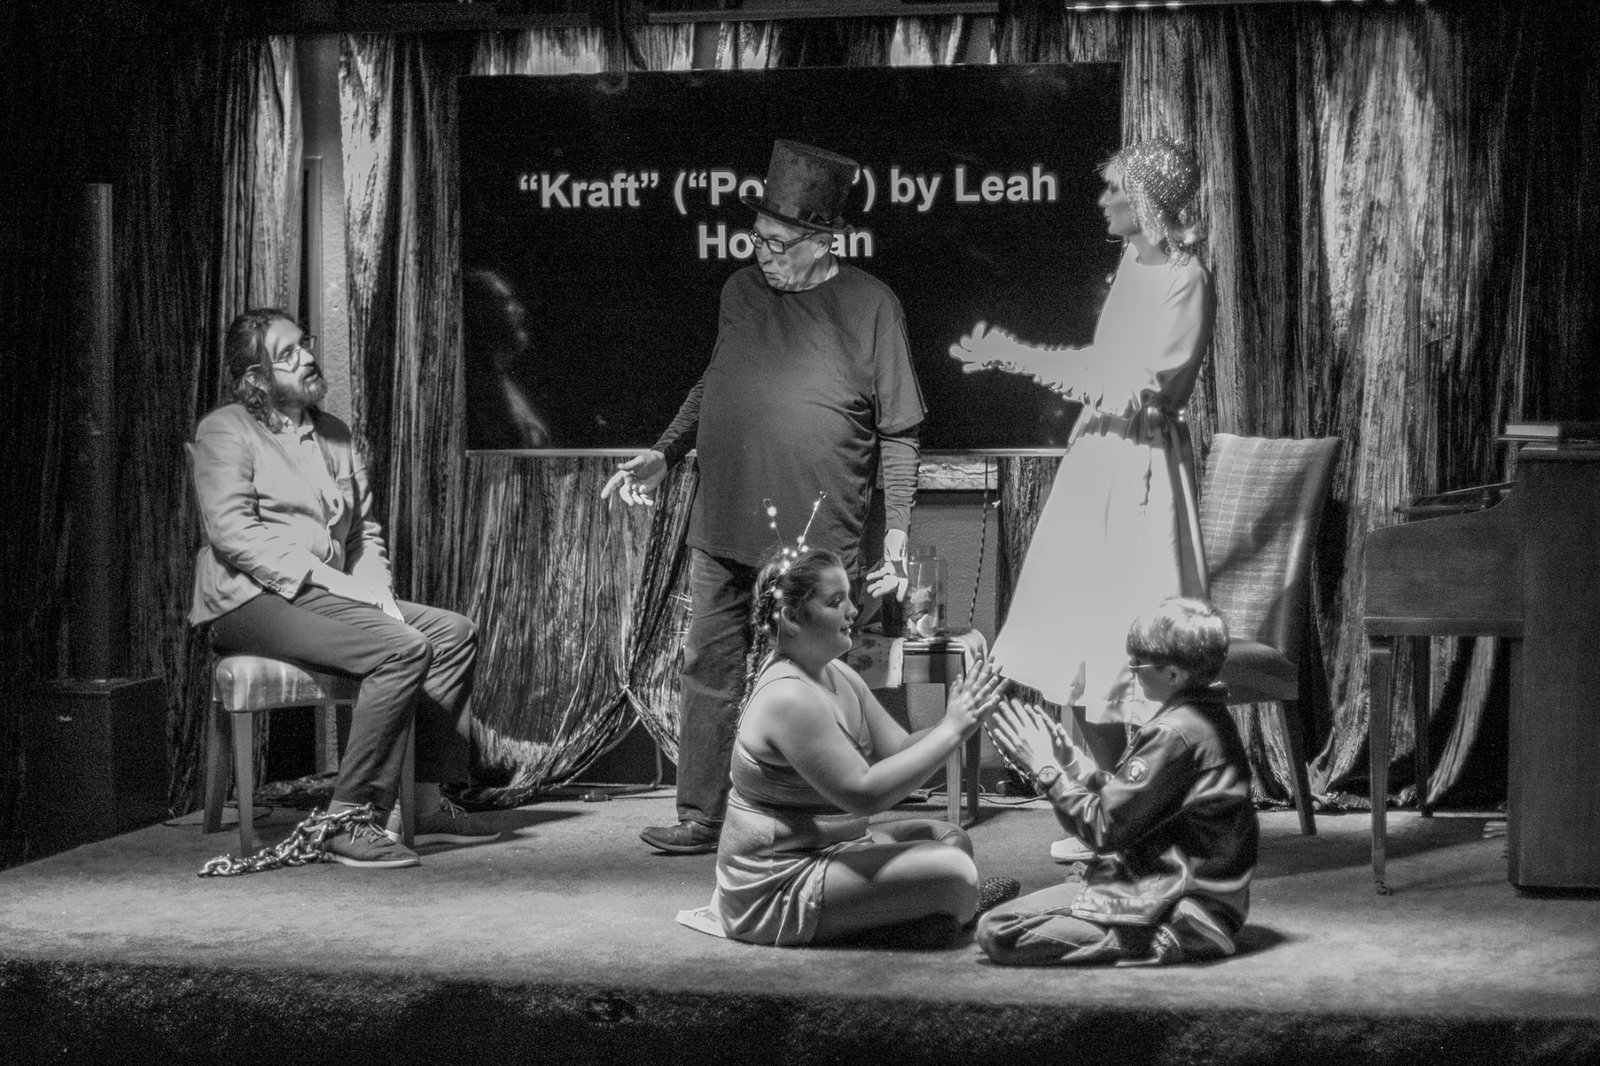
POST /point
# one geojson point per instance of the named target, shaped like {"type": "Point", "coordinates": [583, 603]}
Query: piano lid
{"type": "Point", "coordinates": [1459, 574]}
{"type": "Point", "coordinates": [1456, 501]}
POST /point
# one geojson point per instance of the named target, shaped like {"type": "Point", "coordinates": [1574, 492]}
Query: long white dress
{"type": "Point", "coordinates": [1120, 529]}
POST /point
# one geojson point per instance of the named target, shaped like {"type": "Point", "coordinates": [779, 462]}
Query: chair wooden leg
{"type": "Point", "coordinates": [218, 777]}
{"type": "Point", "coordinates": [1421, 704]}
{"type": "Point", "coordinates": [408, 790]}
{"type": "Point", "coordinates": [1290, 720]}
{"type": "Point", "coordinates": [244, 777]}
{"type": "Point", "coordinates": [1380, 674]}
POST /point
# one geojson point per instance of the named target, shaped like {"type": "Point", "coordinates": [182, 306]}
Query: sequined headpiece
{"type": "Point", "coordinates": [1160, 178]}
{"type": "Point", "coordinates": [1165, 172]}
{"type": "Point", "coordinates": [787, 552]}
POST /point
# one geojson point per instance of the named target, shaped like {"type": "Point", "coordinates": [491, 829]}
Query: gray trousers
{"type": "Point", "coordinates": [422, 669]}
{"type": "Point", "coordinates": [1039, 930]}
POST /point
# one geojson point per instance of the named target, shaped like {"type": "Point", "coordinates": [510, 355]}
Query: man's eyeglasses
{"type": "Point", "coordinates": [1136, 667]}
{"type": "Point", "coordinates": [291, 355]}
{"type": "Point", "coordinates": [773, 244]}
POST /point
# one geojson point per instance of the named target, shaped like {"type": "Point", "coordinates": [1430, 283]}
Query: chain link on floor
{"type": "Point", "coordinates": [303, 846]}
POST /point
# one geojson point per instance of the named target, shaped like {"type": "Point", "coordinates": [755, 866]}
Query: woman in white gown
{"type": "Point", "coordinates": [1120, 529]}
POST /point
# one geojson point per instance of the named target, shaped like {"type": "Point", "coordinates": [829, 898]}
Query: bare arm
{"type": "Point", "coordinates": [799, 724]}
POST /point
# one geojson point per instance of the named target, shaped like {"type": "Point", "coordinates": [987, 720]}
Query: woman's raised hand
{"type": "Point", "coordinates": [984, 349]}
{"type": "Point", "coordinates": [974, 696]}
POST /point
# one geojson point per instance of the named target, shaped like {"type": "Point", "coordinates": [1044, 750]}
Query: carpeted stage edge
{"type": "Point", "coordinates": [556, 945]}
{"type": "Point", "coordinates": [77, 1012]}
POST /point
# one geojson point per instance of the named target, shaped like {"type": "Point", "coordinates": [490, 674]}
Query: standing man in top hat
{"type": "Point", "coordinates": [809, 393]}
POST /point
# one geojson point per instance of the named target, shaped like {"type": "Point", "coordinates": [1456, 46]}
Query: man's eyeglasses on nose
{"type": "Point", "coordinates": [291, 355]}
{"type": "Point", "coordinates": [774, 244]}
{"type": "Point", "coordinates": [1136, 667]}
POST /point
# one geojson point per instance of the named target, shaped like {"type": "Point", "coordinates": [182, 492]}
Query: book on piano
{"type": "Point", "coordinates": [1552, 432]}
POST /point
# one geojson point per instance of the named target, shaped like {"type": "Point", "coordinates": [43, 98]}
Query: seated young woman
{"type": "Point", "coordinates": [816, 754]}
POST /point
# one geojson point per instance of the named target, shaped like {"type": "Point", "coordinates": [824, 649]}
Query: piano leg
{"type": "Point", "coordinates": [1421, 705]}
{"type": "Point", "coordinates": [1380, 678]}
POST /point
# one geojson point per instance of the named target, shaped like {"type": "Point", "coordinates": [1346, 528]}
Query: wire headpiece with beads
{"type": "Point", "coordinates": [786, 553]}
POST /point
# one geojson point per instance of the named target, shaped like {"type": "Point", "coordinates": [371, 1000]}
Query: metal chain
{"type": "Point", "coordinates": [305, 845]}
{"type": "Point", "coordinates": [983, 542]}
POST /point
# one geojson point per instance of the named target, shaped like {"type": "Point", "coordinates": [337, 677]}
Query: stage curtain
{"type": "Point", "coordinates": [1381, 277]}
{"type": "Point", "coordinates": [1368, 182]}
{"type": "Point", "coordinates": [1404, 247]}
{"type": "Point", "coordinates": [198, 137]}
{"type": "Point", "coordinates": [578, 603]}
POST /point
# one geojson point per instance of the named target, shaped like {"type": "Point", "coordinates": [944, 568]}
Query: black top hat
{"type": "Point", "coordinates": [806, 187]}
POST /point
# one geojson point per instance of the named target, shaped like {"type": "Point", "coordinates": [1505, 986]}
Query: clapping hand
{"type": "Point", "coordinates": [974, 696]}
{"type": "Point", "coordinates": [389, 606]}
{"type": "Point", "coordinates": [1028, 738]}
{"type": "Point", "coordinates": [350, 587]}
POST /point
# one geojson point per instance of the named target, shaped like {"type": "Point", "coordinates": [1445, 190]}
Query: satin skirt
{"type": "Point", "coordinates": [1119, 532]}
{"type": "Point", "coordinates": [771, 865]}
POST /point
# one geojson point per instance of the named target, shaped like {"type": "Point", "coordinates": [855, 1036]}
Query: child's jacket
{"type": "Point", "coordinates": [1173, 820]}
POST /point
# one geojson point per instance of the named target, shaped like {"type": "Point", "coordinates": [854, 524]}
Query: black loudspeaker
{"type": "Point", "coordinates": [94, 761]}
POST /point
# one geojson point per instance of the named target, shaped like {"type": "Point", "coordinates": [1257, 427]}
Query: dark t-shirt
{"type": "Point", "coordinates": [799, 388]}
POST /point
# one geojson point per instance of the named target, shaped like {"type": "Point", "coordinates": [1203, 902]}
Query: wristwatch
{"type": "Point", "coordinates": [1046, 776]}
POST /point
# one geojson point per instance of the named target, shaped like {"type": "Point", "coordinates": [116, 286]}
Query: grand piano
{"type": "Point", "coordinates": [1523, 564]}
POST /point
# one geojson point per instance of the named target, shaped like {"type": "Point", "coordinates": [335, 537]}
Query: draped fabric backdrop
{"type": "Point", "coordinates": [1368, 182]}
{"type": "Point", "coordinates": [199, 139]}
{"type": "Point", "coordinates": [1404, 254]}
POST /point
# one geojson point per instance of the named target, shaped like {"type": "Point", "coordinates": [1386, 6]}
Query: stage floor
{"type": "Point", "coordinates": [558, 943]}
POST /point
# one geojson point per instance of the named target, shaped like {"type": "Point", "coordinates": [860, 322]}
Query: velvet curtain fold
{"type": "Point", "coordinates": [198, 138]}
{"type": "Point", "coordinates": [1396, 230]}
{"type": "Point", "coordinates": [1367, 176]}
{"type": "Point", "coordinates": [559, 583]}
{"type": "Point", "coordinates": [1359, 233]}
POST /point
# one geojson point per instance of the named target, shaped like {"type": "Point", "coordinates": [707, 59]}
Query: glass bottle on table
{"type": "Point", "coordinates": [924, 606]}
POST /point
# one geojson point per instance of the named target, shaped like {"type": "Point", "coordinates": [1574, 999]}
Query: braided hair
{"type": "Point", "coordinates": [786, 578]}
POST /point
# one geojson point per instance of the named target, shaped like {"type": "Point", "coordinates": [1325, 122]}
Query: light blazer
{"type": "Point", "coordinates": [264, 522]}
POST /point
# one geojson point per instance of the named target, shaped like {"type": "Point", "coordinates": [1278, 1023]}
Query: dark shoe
{"type": "Point", "coordinates": [364, 844]}
{"type": "Point", "coordinates": [449, 824]}
{"type": "Point", "coordinates": [685, 838]}
{"type": "Point", "coordinates": [997, 890]}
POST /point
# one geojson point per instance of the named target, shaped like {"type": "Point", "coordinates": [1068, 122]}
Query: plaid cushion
{"type": "Point", "coordinates": [1260, 503]}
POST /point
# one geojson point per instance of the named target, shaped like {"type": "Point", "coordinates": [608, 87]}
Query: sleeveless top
{"type": "Point", "coordinates": [780, 833]}
{"type": "Point", "coordinates": [776, 784]}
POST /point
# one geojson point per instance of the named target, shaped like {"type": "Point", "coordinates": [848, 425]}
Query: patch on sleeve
{"type": "Point", "coordinates": [1136, 770]}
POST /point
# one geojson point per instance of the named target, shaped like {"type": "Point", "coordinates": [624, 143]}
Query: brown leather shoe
{"type": "Point", "coordinates": [685, 838]}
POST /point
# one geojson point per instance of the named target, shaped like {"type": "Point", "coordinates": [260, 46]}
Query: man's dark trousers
{"type": "Point", "coordinates": [423, 667]}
